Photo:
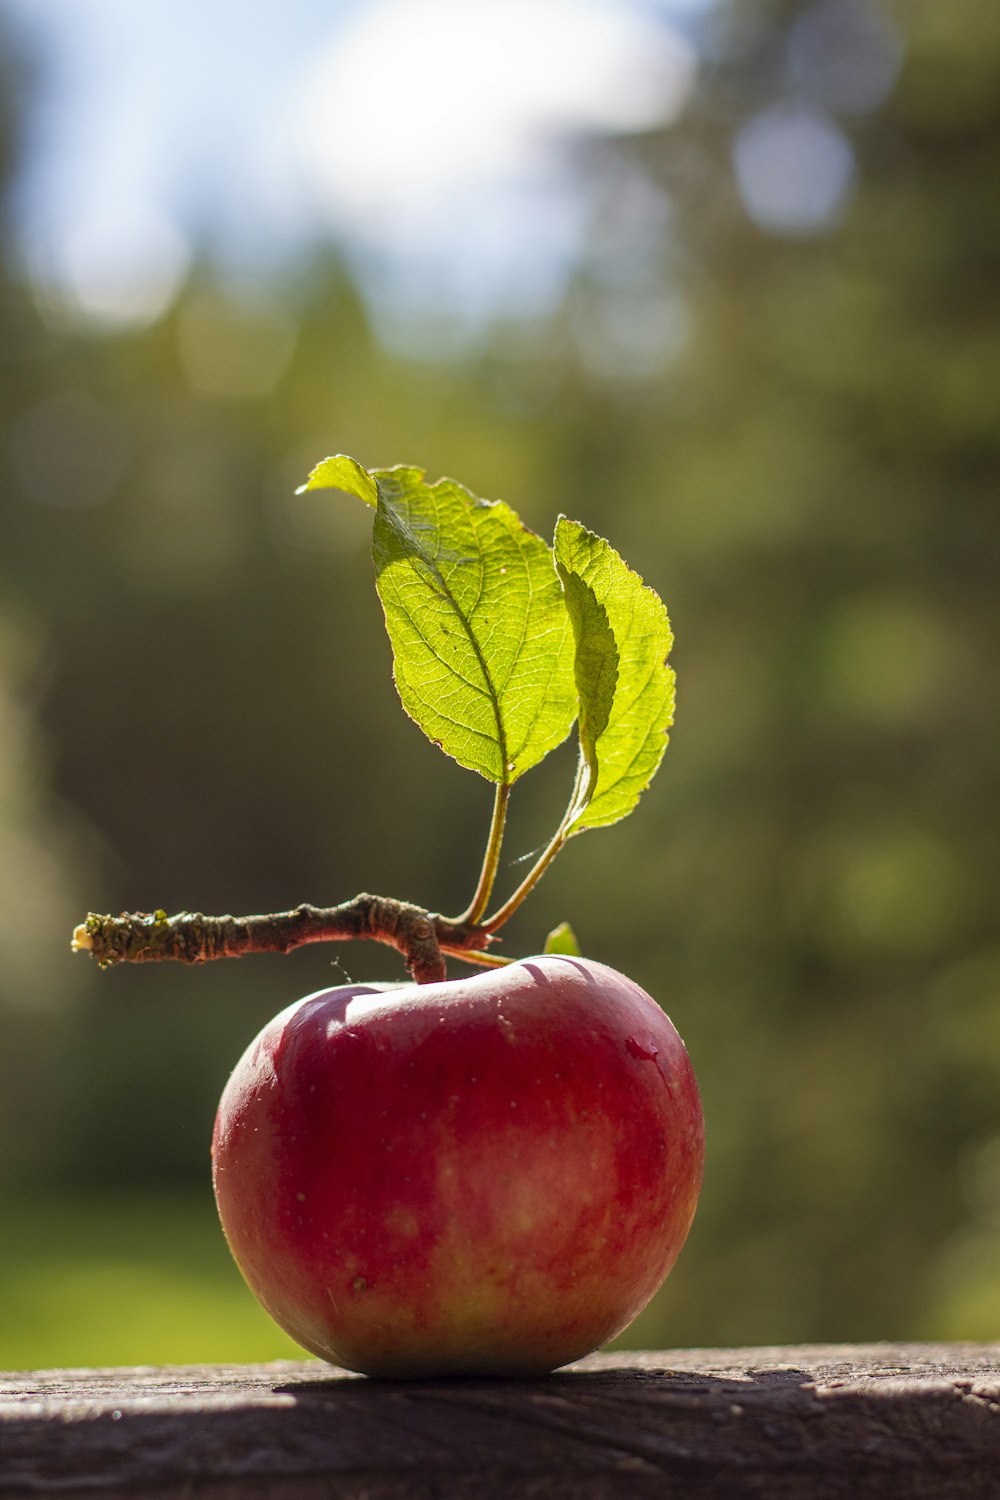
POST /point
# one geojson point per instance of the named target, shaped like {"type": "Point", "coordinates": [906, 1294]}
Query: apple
{"type": "Point", "coordinates": [490, 1175]}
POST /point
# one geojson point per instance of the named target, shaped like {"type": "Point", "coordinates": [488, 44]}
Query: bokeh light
{"type": "Point", "coordinates": [795, 169]}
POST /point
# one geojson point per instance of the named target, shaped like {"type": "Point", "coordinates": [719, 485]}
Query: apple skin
{"type": "Point", "coordinates": [487, 1176]}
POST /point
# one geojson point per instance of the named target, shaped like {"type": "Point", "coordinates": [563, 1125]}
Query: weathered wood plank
{"type": "Point", "coordinates": [918, 1422]}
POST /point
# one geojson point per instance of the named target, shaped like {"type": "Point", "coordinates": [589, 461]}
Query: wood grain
{"type": "Point", "coordinates": [915, 1421]}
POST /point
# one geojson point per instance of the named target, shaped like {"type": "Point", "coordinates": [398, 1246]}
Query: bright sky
{"type": "Point", "coordinates": [429, 136]}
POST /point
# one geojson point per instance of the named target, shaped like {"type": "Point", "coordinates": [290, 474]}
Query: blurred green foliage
{"type": "Point", "coordinates": [196, 710]}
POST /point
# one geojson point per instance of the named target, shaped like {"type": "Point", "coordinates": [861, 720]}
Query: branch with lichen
{"type": "Point", "coordinates": [423, 937]}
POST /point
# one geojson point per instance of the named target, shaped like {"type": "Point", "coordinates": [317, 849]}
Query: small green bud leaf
{"type": "Point", "coordinates": [626, 693]}
{"type": "Point", "coordinates": [562, 939]}
{"type": "Point", "coordinates": [342, 473]}
{"type": "Point", "coordinates": [481, 640]}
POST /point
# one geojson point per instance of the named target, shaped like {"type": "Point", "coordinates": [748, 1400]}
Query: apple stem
{"type": "Point", "coordinates": [476, 956]}
{"type": "Point", "coordinates": [491, 859]}
{"type": "Point", "coordinates": [190, 937]}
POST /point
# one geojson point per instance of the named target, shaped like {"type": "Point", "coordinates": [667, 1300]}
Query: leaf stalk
{"type": "Point", "coordinates": [548, 854]}
{"type": "Point", "coordinates": [491, 859]}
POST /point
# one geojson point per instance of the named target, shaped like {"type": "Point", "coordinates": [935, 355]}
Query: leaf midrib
{"type": "Point", "coordinates": [490, 692]}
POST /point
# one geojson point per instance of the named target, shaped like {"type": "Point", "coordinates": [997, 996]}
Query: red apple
{"type": "Point", "coordinates": [491, 1175]}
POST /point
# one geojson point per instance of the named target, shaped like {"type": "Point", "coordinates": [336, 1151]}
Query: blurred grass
{"type": "Point", "coordinates": [121, 1280]}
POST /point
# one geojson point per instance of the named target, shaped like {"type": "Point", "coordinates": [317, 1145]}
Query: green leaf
{"type": "Point", "coordinates": [482, 643]}
{"type": "Point", "coordinates": [562, 939]}
{"type": "Point", "coordinates": [595, 668]}
{"type": "Point", "coordinates": [625, 715]}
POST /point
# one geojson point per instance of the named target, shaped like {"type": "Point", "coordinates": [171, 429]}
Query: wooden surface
{"type": "Point", "coordinates": [918, 1422]}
